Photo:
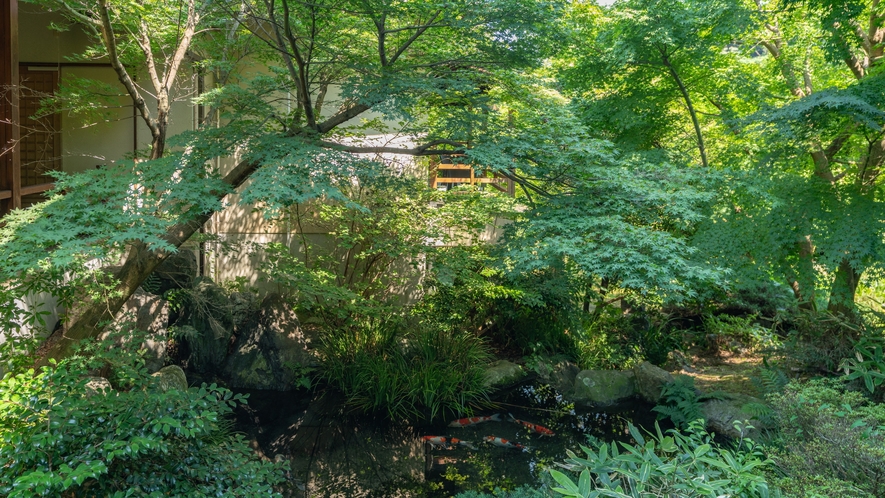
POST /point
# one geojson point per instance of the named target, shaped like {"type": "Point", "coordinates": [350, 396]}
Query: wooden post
{"type": "Point", "coordinates": [10, 165]}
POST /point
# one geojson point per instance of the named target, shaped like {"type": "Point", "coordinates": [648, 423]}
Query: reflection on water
{"type": "Point", "coordinates": [451, 471]}
{"type": "Point", "coordinates": [333, 453]}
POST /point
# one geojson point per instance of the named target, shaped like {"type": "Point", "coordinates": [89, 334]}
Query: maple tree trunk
{"type": "Point", "coordinates": [843, 289]}
{"type": "Point", "coordinates": [89, 318]}
{"type": "Point", "coordinates": [805, 278]}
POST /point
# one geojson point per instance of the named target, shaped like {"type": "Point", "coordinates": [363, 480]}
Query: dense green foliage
{"type": "Point", "coordinates": [830, 441]}
{"type": "Point", "coordinates": [681, 402]}
{"type": "Point", "coordinates": [406, 370]}
{"type": "Point", "coordinates": [61, 436]}
{"type": "Point", "coordinates": [686, 173]}
{"type": "Point", "coordinates": [685, 464]}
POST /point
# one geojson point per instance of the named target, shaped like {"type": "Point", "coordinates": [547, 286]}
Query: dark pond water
{"type": "Point", "coordinates": [490, 466]}
{"type": "Point", "coordinates": [333, 453]}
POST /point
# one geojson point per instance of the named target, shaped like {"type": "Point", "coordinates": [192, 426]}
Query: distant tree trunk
{"type": "Point", "coordinates": [805, 277]}
{"type": "Point", "coordinates": [843, 290]}
{"type": "Point", "coordinates": [688, 103]}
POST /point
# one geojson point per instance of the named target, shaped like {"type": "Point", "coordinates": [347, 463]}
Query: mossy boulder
{"type": "Point", "coordinates": [560, 374]}
{"type": "Point", "coordinates": [171, 377]}
{"type": "Point", "coordinates": [650, 380]}
{"type": "Point", "coordinates": [604, 387]}
{"type": "Point", "coordinates": [271, 349]}
{"type": "Point", "coordinates": [503, 373]}
{"type": "Point", "coordinates": [150, 313]}
{"type": "Point", "coordinates": [207, 326]}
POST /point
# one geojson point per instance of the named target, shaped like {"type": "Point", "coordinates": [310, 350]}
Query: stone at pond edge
{"type": "Point", "coordinates": [650, 380]}
{"type": "Point", "coordinates": [271, 349]}
{"type": "Point", "coordinates": [721, 415]}
{"type": "Point", "coordinates": [172, 377]}
{"type": "Point", "coordinates": [501, 373]}
{"type": "Point", "coordinates": [604, 387]}
{"type": "Point", "coordinates": [151, 314]}
{"type": "Point", "coordinates": [561, 375]}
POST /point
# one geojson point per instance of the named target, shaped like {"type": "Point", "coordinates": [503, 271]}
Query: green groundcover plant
{"type": "Point", "coordinates": [60, 435]}
{"type": "Point", "coordinates": [680, 464]}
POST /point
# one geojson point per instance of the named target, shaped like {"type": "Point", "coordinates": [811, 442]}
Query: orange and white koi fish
{"type": "Point", "coordinates": [464, 422]}
{"type": "Point", "coordinates": [505, 443]}
{"type": "Point", "coordinates": [444, 442]}
{"type": "Point", "coordinates": [540, 429]}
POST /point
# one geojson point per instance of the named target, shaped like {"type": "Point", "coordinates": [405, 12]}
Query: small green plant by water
{"type": "Point", "coordinates": [681, 402]}
{"type": "Point", "coordinates": [682, 463]}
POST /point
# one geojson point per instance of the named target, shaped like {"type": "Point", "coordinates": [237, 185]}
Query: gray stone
{"type": "Point", "coordinates": [97, 385]}
{"type": "Point", "coordinates": [176, 272]}
{"type": "Point", "coordinates": [559, 374]}
{"type": "Point", "coordinates": [502, 372]}
{"type": "Point", "coordinates": [722, 414]}
{"type": "Point", "coordinates": [149, 313]}
{"type": "Point", "coordinates": [171, 377]}
{"type": "Point", "coordinates": [208, 312]}
{"type": "Point", "coordinates": [244, 306]}
{"type": "Point", "coordinates": [650, 380]}
{"type": "Point", "coordinates": [604, 387]}
{"type": "Point", "coordinates": [271, 351]}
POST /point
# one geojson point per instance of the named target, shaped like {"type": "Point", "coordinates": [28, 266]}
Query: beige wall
{"type": "Point", "coordinates": [88, 144]}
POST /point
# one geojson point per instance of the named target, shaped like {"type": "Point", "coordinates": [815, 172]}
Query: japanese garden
{"type": "Point", "coordinates": [442, 248]}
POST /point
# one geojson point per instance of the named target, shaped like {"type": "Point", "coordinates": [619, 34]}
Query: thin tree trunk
{"type": "Point", "coordinates": [844, 289]}
{"type": "Point", "coordinates": [803, 285]}
{"type": "Point", "coordinates": [688, 103]}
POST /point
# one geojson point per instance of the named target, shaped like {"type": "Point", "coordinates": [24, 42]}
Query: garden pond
{"type": "Point", "coordinates": [338, 454]}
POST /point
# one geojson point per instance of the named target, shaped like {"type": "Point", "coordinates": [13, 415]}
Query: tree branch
{"type": "Point", "coordinates": [423, 150]}
{"type": "Point", "coordinates": [107, 34]}
{"type": "Point", "coordinates": [342, 116]}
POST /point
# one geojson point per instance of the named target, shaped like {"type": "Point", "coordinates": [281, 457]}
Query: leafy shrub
{"type": "Point", "coordinates": [735, 334]}
{"type": "Point", "coordinates": [868, 363]}
{"type": "Point", "coordinates": [681, 402]}
{"type": "Point", "coordinates": [684, 464]}
{"type": "Point", "coordinates": [829, 437]}
{"type": "Point", "coordinates": [61, 437]}
{"type": "Point", "coordinates": [657, 340]}
{"type": "Point", "coordinates": [605, 343]}
{"type": "Point", "coordinates": [771, 378]}
{"type": "Point", "coordinates": [816, 340]}
{"type": "Point", "coordinates": [407, 375]}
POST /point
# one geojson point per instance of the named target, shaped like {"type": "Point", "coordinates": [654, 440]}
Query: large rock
{"type": "Point", "coordinates": [149, 313]}
{"type": "Point", "coordinates": [604, 387]}
{"type": "Point", "coordinates": [176, 272]}
{"type": "Point", "coordinates": [650, 380]}
{"type": "Point", "coordinates": [502, 373]}
{"type": "Point", "coordinates": [207, 326]}
{"type": "Point", "coordinates": [271, 351]}
{"type": "Point", "coordinates": [722, 414]}
{"type": "Point", "coordinates": [244, 306]}
{"type": "Point", "coordinates": [171, 377]}
{"type": "Point", "coordinates": [559, 374]}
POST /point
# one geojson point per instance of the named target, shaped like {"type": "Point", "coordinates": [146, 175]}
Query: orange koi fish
{"type": "Point", "coordinates": [540, 429]}
{"type": "Point", "coordinates": [444, 442]}
{"type": "Point", "coordinates": [464, 422]}
{"type": "Point", "coordinates": [503, 443]}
